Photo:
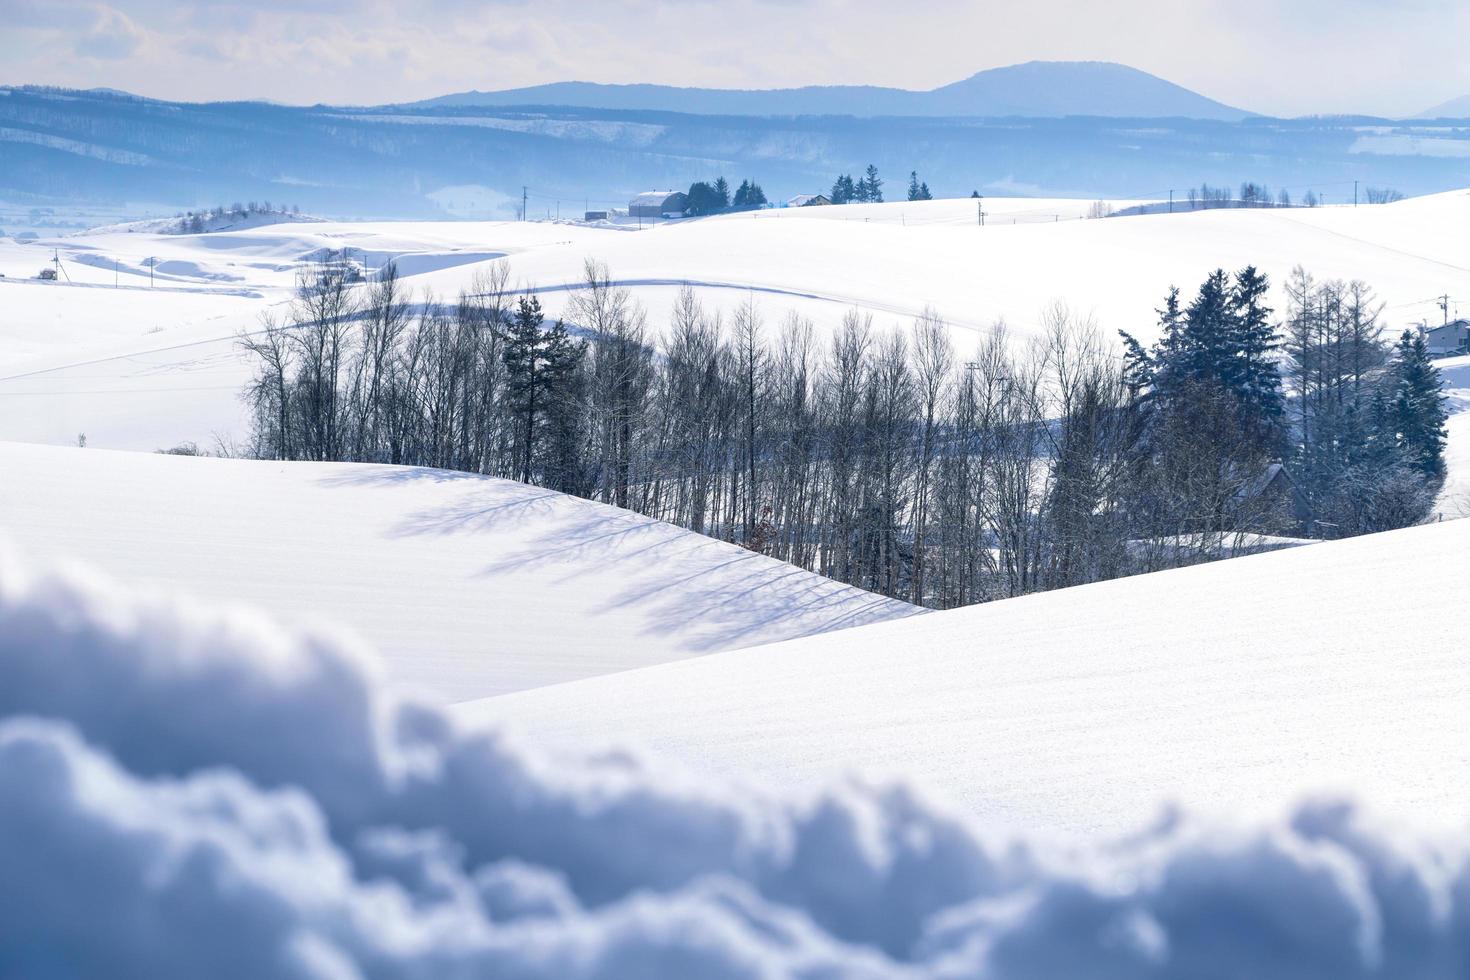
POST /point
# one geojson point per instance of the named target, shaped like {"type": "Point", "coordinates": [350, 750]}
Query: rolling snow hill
{"type": "Point", "coordinates": [468, 586]}
{"type": "Point", "coordinates": [1036, 89]}
{"type": "Point", "coordinates": [145, 367]}
{"type": "Point", "coordinates": [1224, 688]}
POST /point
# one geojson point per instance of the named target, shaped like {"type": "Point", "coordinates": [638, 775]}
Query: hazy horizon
{"type": "Point", "coordinates": [1311, 57]}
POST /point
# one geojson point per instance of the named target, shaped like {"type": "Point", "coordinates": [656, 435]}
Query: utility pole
{"type": "Point", "coordinates": [1355, 193]}
{"type": "Point", "coordinates": [1444, 307]}
{"type": "Point", "coordinates": [980, 210]}
{"type": "Point", "coordinates": [523, 202]}
{"type": "Point", "coordinates": [1171, 200]}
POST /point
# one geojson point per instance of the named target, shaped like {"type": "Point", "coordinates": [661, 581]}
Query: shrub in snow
{"type": "Point", "coordinates": [188, 792]}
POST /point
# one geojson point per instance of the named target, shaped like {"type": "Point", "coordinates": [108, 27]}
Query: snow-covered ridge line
{"type": "Point", "coordinates": [469, 586]}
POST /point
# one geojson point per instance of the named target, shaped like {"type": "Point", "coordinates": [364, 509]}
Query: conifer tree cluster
{"type": "Point", "coordinates": [1360, 441]}
{"type": "Point", "coordinates": [867, 189]}
{"type": "Point", "coordinates": [707, 198]}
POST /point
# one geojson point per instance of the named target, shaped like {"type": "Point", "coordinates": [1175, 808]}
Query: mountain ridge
{"type": "Point", "coordinates": [1036, 89]}
{"type": "Point", "coordinates": [1453, 109]}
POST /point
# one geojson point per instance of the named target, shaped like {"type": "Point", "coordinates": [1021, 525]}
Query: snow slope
{"type": "Point", "coordinates": [191, 792]}
{"type": "Point", "coordinates": [468, 586]}
{"type": "Point", "coordinates": [138, 367]}
{"type": "Point", "coordinates": [1223, 687]}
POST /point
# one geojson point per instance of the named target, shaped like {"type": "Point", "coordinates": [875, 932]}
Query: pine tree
{"type": "Point", "coordinates": [843, 190]}
{"type": "Point", "coordinates": [1416, 410]}
{"type": "Point", "coordinates": [543, 388]}
{"type": "Point", "coordinates": [703, 199]}
{"type": "Point", "coordinates": [914, 185]}
{"type": "Point", "coordinates": [873, 185]}
{"type": "Point", "coordinates": [1257, 377]}
{"type": "Point", "coordinates": [565, 411]}
{"type": "Point", "coordinates": [522, 359]}
{"type": "Point", "coordinates": [749, 196]}
{"type": "Point", "coordinates": [924, 194]}
{"type": "Point", "coordinates": [722, 192]}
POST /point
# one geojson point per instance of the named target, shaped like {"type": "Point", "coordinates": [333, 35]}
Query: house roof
{"type": "Point", "coordinates": [651, 199]}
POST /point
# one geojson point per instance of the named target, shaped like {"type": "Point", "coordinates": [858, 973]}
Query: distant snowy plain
{"type": "Point", "coordinates": [140, 366]}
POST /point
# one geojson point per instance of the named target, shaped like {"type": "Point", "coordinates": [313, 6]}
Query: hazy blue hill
{"type": "Point", "coordinates": [105, 149]}
{"type": "Point", "coordinates": [1035, 89]}
{"type": "Point", "coordinates": [1453, 109]}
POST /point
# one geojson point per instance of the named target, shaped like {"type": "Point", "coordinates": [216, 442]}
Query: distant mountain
{"type": "Point", "coordinates": [93, 150]}
{"type": "Point", "coordinates": [1037, 89]}
{"type": "Point", "coordinates": [1453, 109]}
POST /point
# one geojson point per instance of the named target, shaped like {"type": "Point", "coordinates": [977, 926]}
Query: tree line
{"type": "Point", "coordinates": [714, 197]}
{"type": "Point", "coordinates": [883, 458]}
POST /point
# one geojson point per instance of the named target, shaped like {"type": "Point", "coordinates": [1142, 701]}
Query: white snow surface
{"type": "Point", "coordinates": [469, 586]}
{"type": "Point", "coordinates": [190, 792]}
{"type": "Point", "coordinates": [1339, 667]}
{"type": "Point", "coordinates": [143, 367]}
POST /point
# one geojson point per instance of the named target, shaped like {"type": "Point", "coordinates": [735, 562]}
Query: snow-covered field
{"type": "Point", "coordinates": [140, 367]}
{"type": "Point", "coordinates": [669, 756]}
{"type": "Point", "coordinates": [1226, 688]}
{"type": "Point", "coordinates": [468, 586]}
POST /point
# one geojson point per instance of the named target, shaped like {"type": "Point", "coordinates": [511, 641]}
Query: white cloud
{"type": "Point", "coordinates": [112, 36]}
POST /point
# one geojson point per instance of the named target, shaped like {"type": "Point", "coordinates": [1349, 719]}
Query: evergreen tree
{"type": "Point", "coordinates": [924, 194]}
{"type": "Point", "coordinates": [748, 196]}
{"type": "Point", "coordinates": [703, 199]}
{"type": "Point", "coordinates": [521, 355]}
{"type": "Point", "coordinates": [1256, 374]}
{"type": "Point", "coordinates": [722, 192]}
{"type": "Point", "coordinates": [565, 419]}
{"type": "Point", "coordinates": [844, 191]}
{"type": "Point", "coordinates": [1416, 410]}
{"type": "Point", "coordinates": [543, 378]}
{"type": "Point", "coordinates": [873, 186]}
{"type": "Point", "coordinates": [914, 185]}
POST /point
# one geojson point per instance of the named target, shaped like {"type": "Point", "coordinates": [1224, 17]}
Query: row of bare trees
{"type": "Point", "coordinates": [884, 458]}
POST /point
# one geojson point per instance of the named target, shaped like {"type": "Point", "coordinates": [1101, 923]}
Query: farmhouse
{"type": "Point", "coordinates": [808, 201]}
{"type": "Point", "coordinates": [658, 204]}
{"type": "Point", "coordinates": [1449, 338]}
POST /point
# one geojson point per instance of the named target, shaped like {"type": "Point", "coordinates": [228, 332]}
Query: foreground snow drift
{"type": "Point", "coordinates": [1339, 666]}
{"type": "Point", "coordinates": [194, 793]}
{"type": "Point", "coordinates": [470, 586]}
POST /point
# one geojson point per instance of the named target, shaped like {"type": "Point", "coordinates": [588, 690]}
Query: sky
{"type": "Point", "coordinates": [1280, 57]}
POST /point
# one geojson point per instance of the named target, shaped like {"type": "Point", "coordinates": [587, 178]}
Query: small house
{"type": "Point", "coordinates": [595, 216]}
{"type": "Point", "coordinates": [658, 204]}
{"type": "Point", "coordinates": [1448, 338]}
{"type": "Point", "coordinates": [809, 201]}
